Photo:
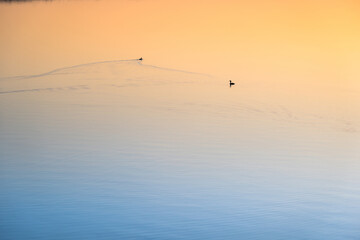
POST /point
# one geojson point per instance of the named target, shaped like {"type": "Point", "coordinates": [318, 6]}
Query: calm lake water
{"type": "Point", "coordinates": [97, 148]}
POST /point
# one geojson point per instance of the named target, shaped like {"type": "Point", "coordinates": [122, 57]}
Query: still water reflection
{"type": "Point", "coordinates": [124, 149]}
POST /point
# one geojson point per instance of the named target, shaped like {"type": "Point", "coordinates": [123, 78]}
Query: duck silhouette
{"type": "Point", "coordinates": [231, 83]}
{"type": "Point", "coordinates": [140, 59]}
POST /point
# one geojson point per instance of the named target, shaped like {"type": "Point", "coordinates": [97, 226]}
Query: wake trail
{"type": "Point", "coordinates": [174, 70]}
{"type": "Point", "coordinates": [64, 68]}
{"type": "Point", "coordinates": [75, 87]}
{"type": "Point", "coordinates": [95, 63]}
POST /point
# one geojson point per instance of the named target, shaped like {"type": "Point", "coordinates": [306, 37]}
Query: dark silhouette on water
{"type": "Point", "coordinates": [140, 59]}
{"type": "Point", "coordinates": [231, 83]}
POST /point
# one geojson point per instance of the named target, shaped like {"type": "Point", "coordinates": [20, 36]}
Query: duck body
{"type": "Point", "coordinates": [231, 83]}
{"type": "Point", "coordinates": [140, 59]}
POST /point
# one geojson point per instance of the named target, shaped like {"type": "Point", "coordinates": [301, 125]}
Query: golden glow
{"type": "Point", "coordinates": [304, 43]}
{"type": "Point", "coordinates": [260, 38]}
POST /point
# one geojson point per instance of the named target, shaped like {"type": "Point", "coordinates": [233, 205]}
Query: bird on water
{"type": "Point", "coordinates": [140, 59]}
{"type": "Point", "coordinates": [231, 83]}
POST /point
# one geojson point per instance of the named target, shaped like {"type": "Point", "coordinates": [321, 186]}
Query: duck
{"type": "Point", "coordinates": [231, 83]}
{"type": "Point", "coordinates": [140, 59]}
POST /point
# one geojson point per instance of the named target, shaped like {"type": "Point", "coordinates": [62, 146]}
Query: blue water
{"type": "Point", "coordinates": [124, 150]}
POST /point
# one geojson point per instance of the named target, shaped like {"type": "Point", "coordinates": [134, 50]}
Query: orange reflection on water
{"type": "Point", "coordinates": [293, 47]}
{"type": "Point", "coordinates": [249, 39]}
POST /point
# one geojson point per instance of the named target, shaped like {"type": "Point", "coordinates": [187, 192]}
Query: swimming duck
{"type": "Point", "coordinates": [140, 59]}
{"type": "Point", "coordinates": [231, 83]}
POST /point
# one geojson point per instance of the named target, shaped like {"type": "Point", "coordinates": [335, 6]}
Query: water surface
{"type": "Point", "coordinates": [94, 146]}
